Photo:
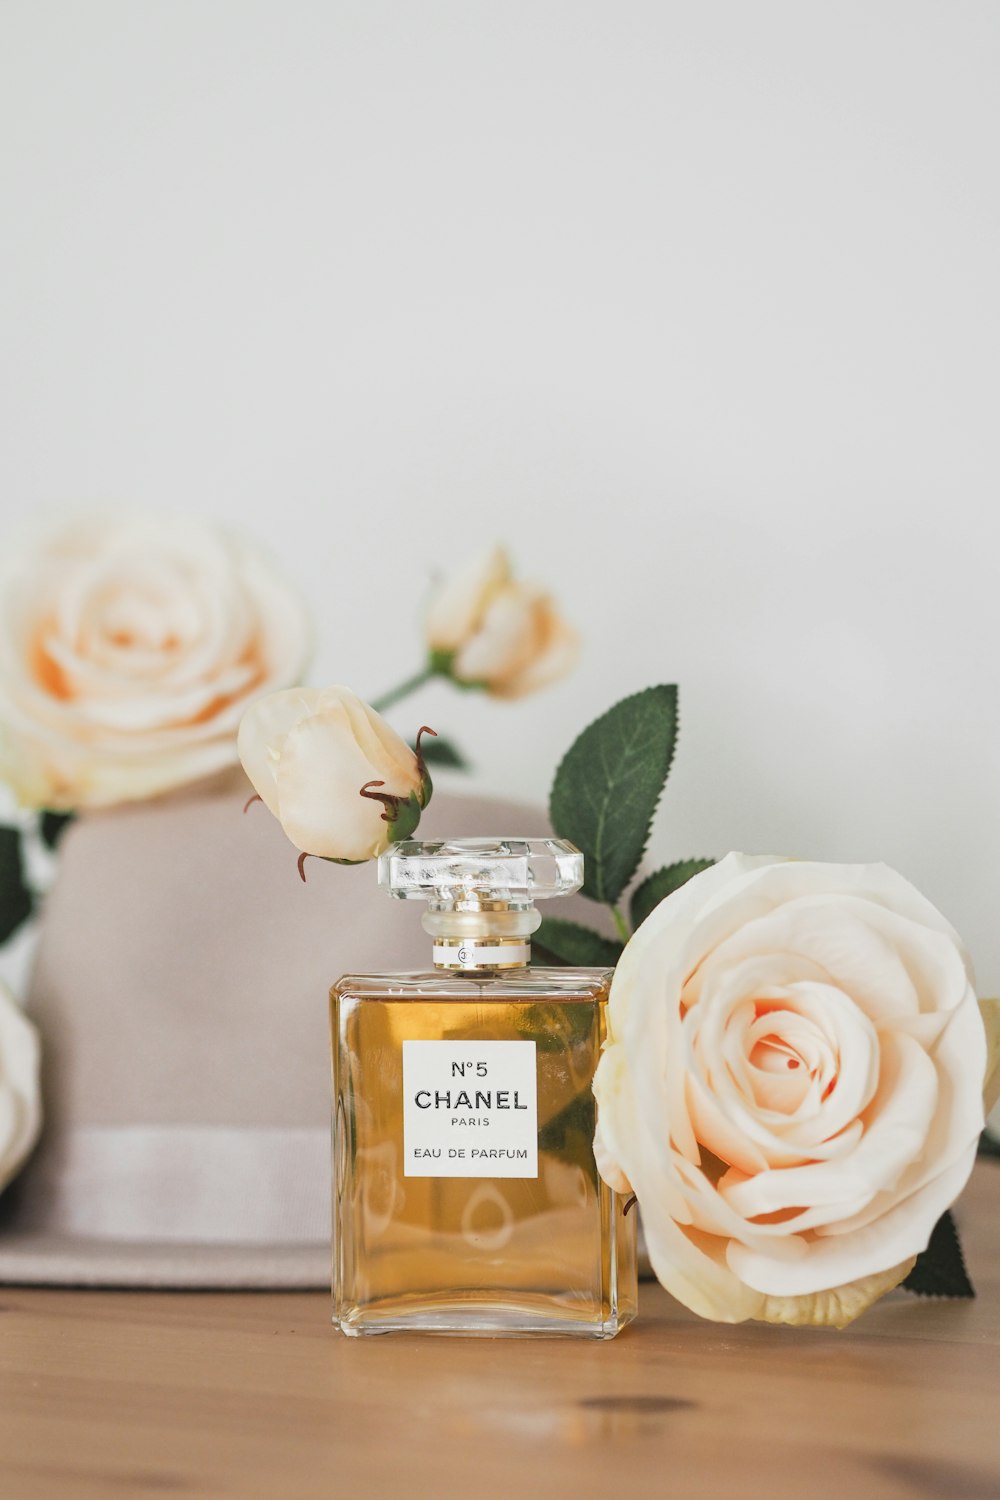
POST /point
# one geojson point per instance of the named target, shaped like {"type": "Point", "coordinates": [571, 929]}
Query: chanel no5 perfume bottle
{"type": "Point", "coordinates": [466, 1196]}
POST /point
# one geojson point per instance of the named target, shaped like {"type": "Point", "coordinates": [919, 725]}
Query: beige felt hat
{"type": "Point", "coordinates": [180, 989]}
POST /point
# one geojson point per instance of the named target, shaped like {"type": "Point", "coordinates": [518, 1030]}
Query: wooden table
{"type": "Point", "coordinates": [106, 1394]}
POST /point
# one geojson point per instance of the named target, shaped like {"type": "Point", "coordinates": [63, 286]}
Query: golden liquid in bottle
{"type": "Point", "coordinates": [547, 1254]}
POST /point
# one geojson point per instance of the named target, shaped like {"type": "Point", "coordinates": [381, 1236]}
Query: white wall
{"type": "Point", "coordinates": [696, 306]}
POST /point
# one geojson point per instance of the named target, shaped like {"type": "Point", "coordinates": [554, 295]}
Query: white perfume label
{"type": "Point", "coordinates": [470, 1109]}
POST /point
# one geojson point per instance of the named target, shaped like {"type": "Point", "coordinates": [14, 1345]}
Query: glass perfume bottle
{"type": "Point", "coordinates": [466, 1196]}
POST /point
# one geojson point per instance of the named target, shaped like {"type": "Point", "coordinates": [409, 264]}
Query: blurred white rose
{"type": "Point", "coordinates": [340, 781]}
{"type": "Point", "coordinates": [793, 1086]}
{"type": "Point", "coordinates": [20, 1100]}
{"type": "Point", "coordinates": [487, 630]}
{"type": "Point", "coordinates": [128, 651]}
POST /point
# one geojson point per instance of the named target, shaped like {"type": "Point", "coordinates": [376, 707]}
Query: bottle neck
{"type": "Point", "coordinates": [469, 954]}
{"type": "Point", "coordinates": [491, 935]}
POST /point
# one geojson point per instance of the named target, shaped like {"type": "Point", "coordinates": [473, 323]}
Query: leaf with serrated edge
{"type": "Point", "coordinates": [661, 884]}
{"type": "Point", "coordinates": [15, 895]}
{"type": "Point", "coordinates": [608, 784]}
{"type": "Point", "coordinates": [572, 943]}
{"type": "Point", "coordinates": [940, 1269]}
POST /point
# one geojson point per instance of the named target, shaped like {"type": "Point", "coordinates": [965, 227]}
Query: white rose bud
{"type": "Point", "coordinates": [485, 629]}
{"type": "Point", "coordinates": [793, 1085]}
{"type": "Point", "coordinates": [20, 1102]}
{"type": "Point", "coordinates": [129, 649]}
{"type": "Point", "coordinates": [340, 781]}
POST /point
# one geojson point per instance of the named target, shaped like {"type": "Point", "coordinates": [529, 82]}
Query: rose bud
{"type": "Point", "coordinates": [340, 781]}
{"type": "Point", "coordinates": [484, 629]}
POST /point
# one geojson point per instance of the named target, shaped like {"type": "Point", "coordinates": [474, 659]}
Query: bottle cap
{"type": "Point", "coordinates": [480, 874]}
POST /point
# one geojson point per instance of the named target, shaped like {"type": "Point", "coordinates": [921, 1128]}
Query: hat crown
{"type": "Point", "coordinates": [180, 989]}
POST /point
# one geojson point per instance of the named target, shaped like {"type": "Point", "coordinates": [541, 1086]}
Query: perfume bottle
{"type": "Point", "coordinates": [466, 1196]}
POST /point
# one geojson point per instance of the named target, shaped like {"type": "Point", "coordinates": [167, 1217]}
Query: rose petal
{"type": "Point", "coordinates": [263, 730]}
{"type": "Point", "coordinates": [555, 652]}
{"type": "Point", "coordinates": [457, 606]}
{"type": "Point", "coordinates": [902, 1230]}
{"type": "Point", "coordinates": [896, 1130]}
{"type": "Point", "coordinates": [129, 653]}
{"type": "Point", "coordinates": [990, 1011]}
{"type": "Point", "coordinates": [836, 1306]}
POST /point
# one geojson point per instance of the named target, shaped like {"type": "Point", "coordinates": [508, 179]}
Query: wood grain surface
{"type": "Point", "coordinates": [136, 1394]}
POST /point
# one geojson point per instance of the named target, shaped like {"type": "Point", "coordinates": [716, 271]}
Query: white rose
{"type": "Point", "coordinates": [487, 630]}
{"type": "Point", "coordinates": [340, 781]}
{"type": "Point", "coordinates": [128, 651]}
{"type": "Point", "coordinates": [793, 1086]}
{"type": "Point", "coordinates": [20, 1101]}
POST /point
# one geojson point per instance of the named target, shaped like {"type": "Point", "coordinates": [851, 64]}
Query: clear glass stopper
{"type": "Point", "coordinates": [459, 874]}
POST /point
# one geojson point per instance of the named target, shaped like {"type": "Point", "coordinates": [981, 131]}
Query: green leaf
{"type": "Point", "coordinates": [569, 1133]}
{"type": "Point", "coordinates": [442, 752]}
{"type": "Point", "coordinates": [52, 826]}
{"type": "Point", "coordinates": [442, 664]}
{"type": "Point", "coordinates": [940, 1269]}
{"type": "Point", "coordinates": [661, 884]}
{"type": "Point", "coordinates": [571, 943]}
{"type": "Point", "coordinates": [608, 784]}
{"type": "Point", "coordinates": [439, 663]}
{"type": "Point", "coordinates": [404, 824]}
{"type": "Point", "coordinates": [565, 1029]}
{"type": "Point", "coordinates": [16, 901]}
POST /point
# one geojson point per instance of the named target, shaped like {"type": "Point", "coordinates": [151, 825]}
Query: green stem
{"type": "Point", "coordinates": [404, 689]}
{"type": "Point", "coordinates": [621, 925]}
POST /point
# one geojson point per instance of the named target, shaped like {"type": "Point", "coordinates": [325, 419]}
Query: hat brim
{"type": "Point", "coordinates": [36, 1258]}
